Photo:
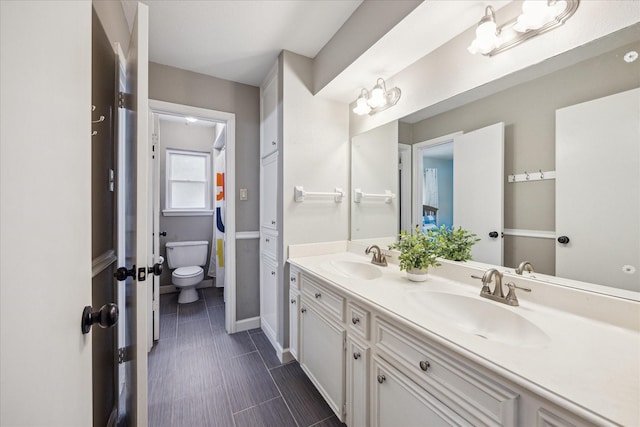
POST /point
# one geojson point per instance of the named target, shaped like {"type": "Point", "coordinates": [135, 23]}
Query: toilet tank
{"type": "Point", "coordinates": [186, 254]}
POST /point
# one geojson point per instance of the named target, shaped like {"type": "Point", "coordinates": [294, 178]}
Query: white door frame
{"type": "Point", "coordinates": [230, 195]}
{"type": "Point", "coordinates": [417, 172]}
{"type": "Point", "coordinates": [404, 184]}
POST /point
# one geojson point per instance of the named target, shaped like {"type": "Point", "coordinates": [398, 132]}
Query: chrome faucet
{"type": "Point", "coordinates": [497, 294]}
{"type": "Point", "coordinates": [378, 257]}
{"type": "Point", "coordinates": [524, 266]}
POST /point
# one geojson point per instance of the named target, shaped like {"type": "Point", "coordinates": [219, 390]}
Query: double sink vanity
{"type": "Point", "coordinates": [385, 351]}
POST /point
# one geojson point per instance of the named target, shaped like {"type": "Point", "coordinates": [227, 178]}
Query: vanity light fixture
{"type": "Point", "coordinates": [377, 99]}
{"type": "Point", "coordinates": [538, 16]}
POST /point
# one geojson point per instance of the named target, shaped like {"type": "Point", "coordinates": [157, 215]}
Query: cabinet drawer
{"type": "Point", "coordinates": [319, 296]}
{"type": "Point", "coordinates": [358, 321]}
{"type": "Point", "coordinates": [474, 395]}
{"type": "Point", "coordinates": [269, 245]}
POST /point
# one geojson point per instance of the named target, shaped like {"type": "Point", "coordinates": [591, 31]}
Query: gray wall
{"type": "Point", "coordinates": [113, 20]}
{"type": "Point", "coordinates": [198, 90]}
{"type": "Point", "coordinates": [528, 111]}
{"type": "Point", "coordinates": [184, 136]}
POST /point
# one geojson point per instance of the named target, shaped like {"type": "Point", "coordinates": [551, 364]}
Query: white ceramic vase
{"type": "Point", "coordinates": [417, 275]}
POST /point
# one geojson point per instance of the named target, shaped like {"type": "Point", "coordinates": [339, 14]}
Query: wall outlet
{"type": "Point", "coordinates": [244, 194]}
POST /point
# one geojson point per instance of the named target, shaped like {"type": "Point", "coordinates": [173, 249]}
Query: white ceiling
{"type": "Point", "coordinates": [239, 40]}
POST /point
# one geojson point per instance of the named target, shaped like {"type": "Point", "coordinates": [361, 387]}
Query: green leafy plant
{"type": "Point", "coordinates": [453, 244]}
{"type": "Point", "coordinates": [417, 251]}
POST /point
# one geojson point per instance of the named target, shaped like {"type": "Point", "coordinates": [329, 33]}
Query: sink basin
{"type": "Point", "coordinates": [481, 318]}
{"type": "Point", "coordinates": [353, 269]}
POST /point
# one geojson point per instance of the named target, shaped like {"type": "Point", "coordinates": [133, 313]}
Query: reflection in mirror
{"type": "Point", "coordinates": [529, 113]}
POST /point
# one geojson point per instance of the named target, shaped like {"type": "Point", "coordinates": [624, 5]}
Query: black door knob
{"type": "Point", "coordinates": [106, 317]}
{"type": "Point", "coordinates": [162, 233]}
{"type": "Point", "coordinates": [156, 269]}
{"type": "Point", "coordinates": [563, 240]}
{"type": "Point", "coordinates": [493, 234]}
{"type": "Point", "coordinates": [122, 273]}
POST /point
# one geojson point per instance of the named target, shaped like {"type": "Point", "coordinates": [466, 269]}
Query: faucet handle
{"type": "Point", "coordinates": [485, 285]}
{"type": "Point", "coordinates": [511, 297]}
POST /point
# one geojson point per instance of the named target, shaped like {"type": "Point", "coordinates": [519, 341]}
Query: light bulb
{"type": "Point", "coordinates": [361, 107]}
{"type": "Point", "coordinates": [486, 38]}
{"type": "Point", "coordinates": [377, 98]}
{"type": "Point", "coordinates": [535, 14]}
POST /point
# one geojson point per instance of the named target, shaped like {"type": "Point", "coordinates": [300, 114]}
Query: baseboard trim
{"type": "Point", "coordinates": [246, 324]}
{"type": "Point", "coordinates": [286, 356]}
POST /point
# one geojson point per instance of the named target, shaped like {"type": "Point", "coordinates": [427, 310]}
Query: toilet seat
{"type": "Point", "coordinates": [187, 272]}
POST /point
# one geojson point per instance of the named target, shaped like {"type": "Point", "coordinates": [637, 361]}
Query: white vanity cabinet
{"type": "Point", "coordinates": [375, 368]}
{"type": "Point", "coordinates": [323, 341]}
{"type": "Point", "coordinates": [294, 312]}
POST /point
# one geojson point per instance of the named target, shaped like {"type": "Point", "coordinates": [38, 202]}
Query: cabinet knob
{"type": "Point", "coordinates": [293, 300]}
{"type": "Point", "coordinates": [424, 365]}
{"type": "Point", "coordinates": [381, 379]}
{"type": "Point", "coordinates": [273, 223]}
{"type": "Point", "coordinates": [563, 240]}
{"type": "Point", "coordinates": [318, 295]}
{"type": "Point", "coordinates": [273, 273]}
{"type": "Point", "coordinates": [303, 310]}
{"type": "Point", "coordinates": [273, 143]}
{"type": "Point", "coordinates": [293, 280]}
{"type": "Point", "coordinates": [356, 355]}
{"type": "Point", "coordinates": [267, 240]}
{"type": "Point", "coordinates": [355, 320]}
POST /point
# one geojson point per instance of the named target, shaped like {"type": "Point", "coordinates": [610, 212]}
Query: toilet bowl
{"type": "Point", "coordinates": [187, 258]}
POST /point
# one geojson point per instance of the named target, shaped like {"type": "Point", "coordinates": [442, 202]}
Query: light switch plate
{"type": "Point", "coordinates": [244, 196]}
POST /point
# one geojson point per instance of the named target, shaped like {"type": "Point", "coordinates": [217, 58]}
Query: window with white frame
{"type": "Point", "coordinates": [188, 181]}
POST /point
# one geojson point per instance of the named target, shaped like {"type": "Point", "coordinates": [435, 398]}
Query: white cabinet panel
{"type": "Point", "coordinates": [322, 350]}
{"type": "Point", "coordinates": [269, 195]}
{"type": "Point", "coordinates": [294, 314]}
{"type": "Point", "coordinates": [357, 384]}
{"type": "Point", "coordinates": [398, 401]}
{"type": "Point", "coordinates": [269, 113]}
{"type": "Point", "coordinates": [268, 298]}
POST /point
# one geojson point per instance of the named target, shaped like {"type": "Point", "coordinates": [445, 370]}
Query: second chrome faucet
{"type": "Point", "coordinates": [378, 256]}
{"type": "Point", "coordinates": [498, 295]}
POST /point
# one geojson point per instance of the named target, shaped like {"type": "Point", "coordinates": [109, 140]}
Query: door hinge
{"type": "Point", "coordinates": [344, 411]}
{"type": "Point", "coordinates": [142, 274]}
{"type": "Point", "coordinates": [125, 100]}
{"type": "Point", "coordinates": [124, 355]}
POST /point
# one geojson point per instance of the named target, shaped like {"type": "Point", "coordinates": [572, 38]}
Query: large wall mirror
{"type": "Point", "coordinates": [567, 122]}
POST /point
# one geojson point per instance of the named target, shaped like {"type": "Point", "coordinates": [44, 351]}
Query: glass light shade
{"type": "Point", "coordinates": [361, 107]}
{"type": "Point", "coordinates": [486, 38]}
{"type": "Point", "coordinates": [535, 14]}
{"type": "Point", "coordinates": [377, 98]}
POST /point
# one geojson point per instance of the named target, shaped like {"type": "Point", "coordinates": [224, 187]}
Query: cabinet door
{"type": "Point", "coordinates": [398, 401]}
{"type": "Point", "coordinates": [269, 195]}
{"type": "Point", "coordinates": [357, 384]}
{"type": "Point", "coordinates": [269, 112]}
{"type": "Point", "coordinates": [322, 349]}
{"type": "Point", "coordinates": [294, 302]}
{"type": "Point", "coordinates": [268, 297]}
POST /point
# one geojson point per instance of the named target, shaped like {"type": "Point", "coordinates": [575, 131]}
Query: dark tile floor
{"type": "Point", "coordinates": [200, 376]}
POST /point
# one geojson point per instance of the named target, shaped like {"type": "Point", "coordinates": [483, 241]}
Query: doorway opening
{"type": "Point", "coordinates": [196, 203]}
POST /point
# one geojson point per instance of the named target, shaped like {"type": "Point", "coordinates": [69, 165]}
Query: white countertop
{"type": "Point", "coordinates": [587, 365]}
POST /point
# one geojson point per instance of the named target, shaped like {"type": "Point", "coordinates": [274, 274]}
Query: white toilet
{"type": "Point", "coordinates": [187, 258]}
